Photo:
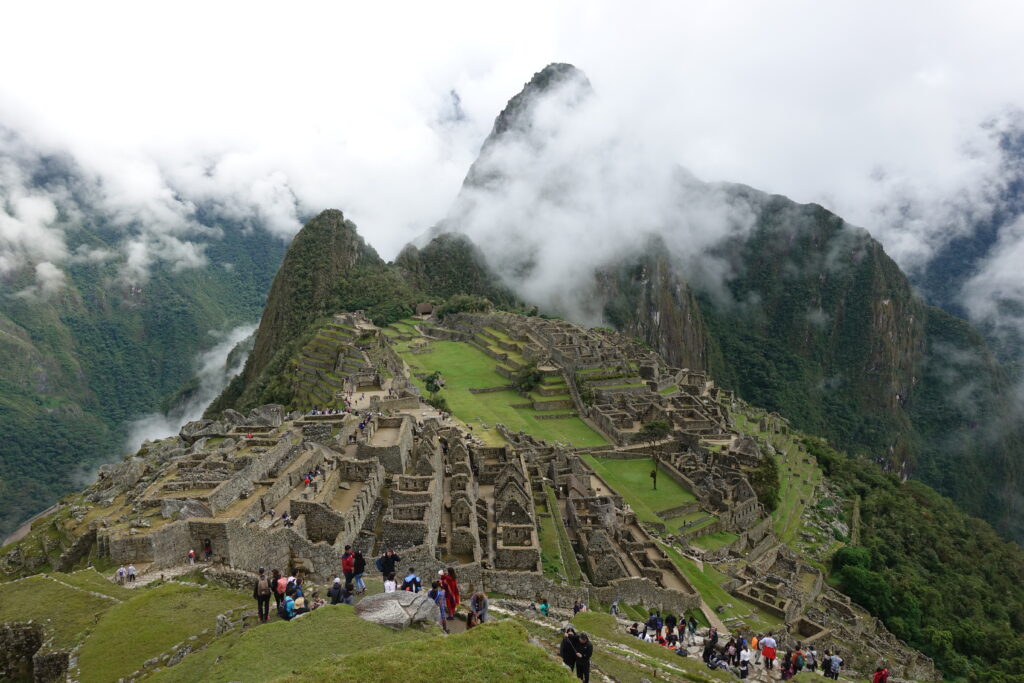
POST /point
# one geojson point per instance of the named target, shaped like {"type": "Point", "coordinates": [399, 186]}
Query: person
{"type": "Point", "coordinates": [615, 608]}
{"type": "Point", "coordinates": [359, 568]}
{"type": "Point", "coordinates": [348, 563]}
{"type": "Point", "coordinates": [451, 590]}
{"type": "Point", "coordinates": [654, 479]}
{"type": "Point", "coordinates": [881, 675]}
{"type": "Point", "coordinates": [191, 556]}
{"type": "Point", "coordinates": [334, 592]}
{"type": "Point", "coordinates": [261, 594]}
{"type": "Point", "coordinates": [755, 647]}
{"type": "Point", "coordinates": [659, 624]}
{"type": "Point", "coordinates": [731, 651]}
{"type": "Point", "coordinates": [347, 595]}
{"type": "Point", "coordinates": [670, 623]}
{"type": "Point", "coordinates": [411, 582]}
{"type": "Point", "coordinates": [651, 623]}
{"type": "Point", "coordinates": [744, 662]}
{"type": "Point", "coordinates": [691, 627]}
{"type": "Point", "coordinates": [287, 608]}
{"type": "Point", "coordinates": [634, 630]}
{"type": "Point", "coordinates": [544, 608]}
{"type": "Point", "coordinates": [672, 640]}
{"type": "Point", "coordinates": [812, 658]}
{"type": "Point", "coordinates": [576, 607]}
{"type": "Point", "coordinates": [301, 604]}
{"type": "Point", "coordinates": [390, 585]}
{"type": "Point", "coordinates": [472, 620]}
{"type": "Point", "coordinates": [826, 665]}
{"type": "Point", "coordinates": [478, 605]}
{"type": "Point", "coordinates": [122, 574]}
{"type": "Point", "coordinates": [386, 563]}
{"type": "Point", "coordinates": [798, 659]}
{"type": "Point", "coordinates": [568, 649]}
{"type": "Point", "coordinates": [207, 550]}
{"type": "Point", "coordinates": [837, 665]}
{"type": "Point", "coordinates": [437, 595]}
{"type": "Point", "coordinates": [316, 601]}
{"type": "Point", "coordinates": [768, 646]}
{"type": "Point", "coordinates": [131, 573]}
{"type": "Point", "coordinates": [282, 586]}
{"type": "Point", "coordinates": [584, 653]}
{"type": "Point", "coordinates": [709, 649]}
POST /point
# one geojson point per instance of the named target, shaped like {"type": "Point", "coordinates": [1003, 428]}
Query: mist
{"type": "Point", "coordinates": [212, 374]}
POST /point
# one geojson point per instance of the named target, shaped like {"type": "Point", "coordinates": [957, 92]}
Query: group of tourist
{"type": "Point", "coordinates": [576, 651]}
{"type": "Point", "coordinates": [667, 631]}
{"type": "Point", "coordinates": [126, 574]}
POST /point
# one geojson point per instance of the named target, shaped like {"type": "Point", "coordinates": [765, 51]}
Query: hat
{"type": "Point", "coordinates": [440, 572]}
{"type": "Point", "coordinates": [262, 570]}
{"type": "Point", "coordinates": [337, 580]}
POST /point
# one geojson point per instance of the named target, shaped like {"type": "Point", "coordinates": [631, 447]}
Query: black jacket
{"type": "Point", "coordinates": [585, 648]}
{"type": "Point", "coordinates": [360, 564]}
{"type": "Point", "coordinates": [387, 564]}
{"type": "Point", "coordinates": [568, 649]}
{"type": "Point", "coordinates": [334, 593]}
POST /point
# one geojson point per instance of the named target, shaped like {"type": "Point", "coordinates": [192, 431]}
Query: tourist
{"type": "Point", "coordinates": [837, 665]}
{"type": "Point", "coordinates": [768, 646]}
{"type": "Point", "coordinates": [316, 601]}
{"type": "Point", "coordinates": [755, 647]}
{"type": "Point", "coordinates": [881, 675]}
{"type": "Point", "coordinates": [652, 623]}
{"type": "Point", "coordinates": [386, 563]}
{"type": "Point", "coordinates": [282, 587]}
{"type": "Point", "coordinates": [122, 575]}
{"type": "Point", "coordinates": [347, 594]}
{"type": "Point", "coordinates": [411, 582]}
{"type": "Point", "coordinates": [478, 605]}
{"type": "Point", "coordinates": [472, 620]}
{"type": "Point", "coordinates": [568, 650]}
{"type": "Point", "coordinates": [390, 585]}
{"type": "Point", "coordinates": [359, 568]}
{"type": "Point", "coordinates": [131, 573]}
{"type": "Point", "coordinates": [670, 623]}
{"type": "Point", "coordinates": [584, 653]}
{"type": "Point", "coordinates": [301, 606]}
{"type": "Point", "coordinates": [272, 513]}
{"type": "Point", "coordinates": [261, 594]}
{"type": "Point", "coordinates": [692, 628]}
{"type": "Point", "coordinates": [191, 556]}
{"type": "Point", "coordinates": [615, 608]}
{"type": "Point", "coordinates": [451, 590]}
{"type": "Point", "coordinates": [798, 659]}
{"type": "Point", "coordinates": [577, 606]}
{"type": "Point", "coordinates": [287, 608]}
{"type": "Point", "coordinates": [672, 640]}
{"type": "Point", "coordinates": [544, 607]}
{"type": "Point", "coordinates": [658, 624]}
{"type": "Point", "coordinates": [437, 595]}
{"type": "Point", "coordinates": [207, 551]}
{"type": "Point", "coordinates": [709, 649]}
{"type": "Point", "coordinates": [731, 651]}
{"type": "Point", "coordinates": [744, 661]}
{"type": "Point", "coordinates": [634, 630]}
{"type": "Point", "coordinates": [812, 658]}
{"type": "Point", "coordinates": [275, 587]}
{"type": "Point", "coordinates": [348, 563]}
{"type": "Point", "coordinates": [713, 635]}
{"type": "Point", "coordinates": [334, 592]}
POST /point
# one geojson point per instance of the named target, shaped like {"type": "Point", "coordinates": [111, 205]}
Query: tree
{"type": "Point", "coordinates": [655, 430]}
{"type": "Point", "coordinates": [434, 383]}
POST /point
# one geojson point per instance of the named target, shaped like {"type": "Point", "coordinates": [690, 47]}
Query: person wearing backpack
{"type": "Point", "coordinates": [411, 582]}
{"type": "Point", "coordinates": [261, 593]}
{"type": "Point", "coordinates": [359, 568]}
{"type": "Point", "coordinates": [437, 595]}
{"type": "Point", "coordinates": [799, 661]}
{"type": "Point", "coordinates": [286, 610]}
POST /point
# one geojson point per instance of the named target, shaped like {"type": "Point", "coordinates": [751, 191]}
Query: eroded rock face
{"type": "Point", "coordinates": [184, 509]}
{"type": "Point", "coordinates": [399, 609]}
{"type": "Point", "coordinates": [233, 417]}
{"type": "Point", "coordinates": [271, 415]}
{"type": "Point", "coordinates": [197, 429]}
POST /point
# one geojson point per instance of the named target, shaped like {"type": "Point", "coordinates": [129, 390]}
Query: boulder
{"type": "Point", "coordinates": [197, 429]}
{"type": "Point", "coordinates": [233, 417]}
{"type": "Point", "coordinates": [271, 415]}
{"type": "Point", "coordinates": [184, 509]}
{"type": "Point", "coordinates": [399, 609]}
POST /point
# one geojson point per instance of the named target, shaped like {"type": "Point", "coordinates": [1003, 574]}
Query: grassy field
{"type": "Point", "coordinates": [495, 651]}
{"type": "Point", "coordinates": [91, 580]}
{"type": "Point", "coordinates": [464, 367]}
{"type": "Point", "coordinates": [632, 480]}
{"type": "Point", "coordinates": [150, 624]}
{"type": "Point", "coordinates": [714, 541]}
{"type": "Point", "coordinates": [66, 613]}
{"type": "Point", "coordinates": [253, 655]}
{"type": "Point", "coordinates": [569, 562]}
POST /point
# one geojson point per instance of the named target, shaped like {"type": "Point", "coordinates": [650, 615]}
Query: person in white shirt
{"type": "Point", "coordinates": [390, 585]}
{"type": "Point", "coordinates": [744, 662]}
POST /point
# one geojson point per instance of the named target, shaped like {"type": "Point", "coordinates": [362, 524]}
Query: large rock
{"type": "Point", "coordinates": [197, 429]}
{"type": "Point", "coordinates": [271, 415]}
{"type": "Point", "coordinates": [233, 417]}
{"type": "Point", "coordinates": [398, 609]}
{"type": "Point", "coordinates": [184, 509]}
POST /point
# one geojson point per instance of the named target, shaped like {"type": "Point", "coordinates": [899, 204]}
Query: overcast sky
{"type": "Point", "coordinates": [874, 109]}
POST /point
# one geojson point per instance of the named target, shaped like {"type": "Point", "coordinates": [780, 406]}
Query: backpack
{"type": "Point", "coordinates": [800, 661]}
{"type": "Point", "coordinates": [263, 587]}
{"type": "Point", "coordinates": [378, 564]}
{"type": "Point", "coordinates": [282, 610]}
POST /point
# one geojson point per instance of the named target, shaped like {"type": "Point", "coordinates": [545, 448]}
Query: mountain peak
{"type": "Point", "coordinates": [516, 114]}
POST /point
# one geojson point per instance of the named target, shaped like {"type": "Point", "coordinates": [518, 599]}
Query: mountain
{"type": "Point", "coordinates": [788, 304]}
{"type": "Point", "coordinates": [83, 362]}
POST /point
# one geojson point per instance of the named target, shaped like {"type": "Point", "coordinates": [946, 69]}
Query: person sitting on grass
{"type": "Point", "coordinates": [390, 585]}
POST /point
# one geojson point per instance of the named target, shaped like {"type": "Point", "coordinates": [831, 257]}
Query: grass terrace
{"type": "Point", "coordinates": [632, 480]}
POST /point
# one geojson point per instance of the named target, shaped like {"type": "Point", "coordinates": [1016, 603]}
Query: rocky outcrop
{"type": "Point", "coordinates": [399, 609]}
{"type": "Point", "coordinates": [197, 429]}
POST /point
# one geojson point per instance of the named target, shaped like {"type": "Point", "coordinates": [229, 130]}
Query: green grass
{"type": "Point", "coordinates": [709, 584]}
{"type": "Point", "coordinates": [149, 625]}
{"type": "Point", "coordinates": [279, 648]}
{"type": "Point", "coordinates": [91, 580]}
{"type": "Point", "coordinates": [632, 480]}
{"type": "Point", "coordinates": [464, 366]}
{"type": "Point", "coordinates": [550, 554]}
{"type": "Point", "coordinates": [671, 389]}
{"type": "Point", "coordinates": [496, 651]}
{"type": "Point", "coordinates": [569, 562]}
{"type": "Point", "coordinates": [64, 612]}
{"type": "Point", "coordinates": [714, 541]}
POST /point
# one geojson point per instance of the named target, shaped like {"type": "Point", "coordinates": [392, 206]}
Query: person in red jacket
{"type": "Point", "coordinates": [451, 590]}
{"type": "Point", "coordinates": [348, 564]}
{"type": "Point", "coordinates": [881, 675]}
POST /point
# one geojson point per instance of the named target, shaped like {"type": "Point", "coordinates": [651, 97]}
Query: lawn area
{"type": "Point", "coordinates": [463, 367]}
{"type": "Point", "coordinates": [714, 541]}
{"type": "Point", "coordinates": [570, 564]}
{"type": "Point", "coordinates": [632, 480]}
{"type": "Point", "coordinates": [243, 656]}
{"type": "Point", "coordinates": [91, 580]}
{"type": "Point", "coordinates": [150, 624]}
{"type": "Point", "coordinates": [550, 555]}
{"type": "Point", "coordinates": [499, 650]}
{"type": "Point", "coordinates": [797, 481]}
{"type": "Point", "coordinates": [708, 583]}
{"type": "Point", "coordinates": [65, 612]}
